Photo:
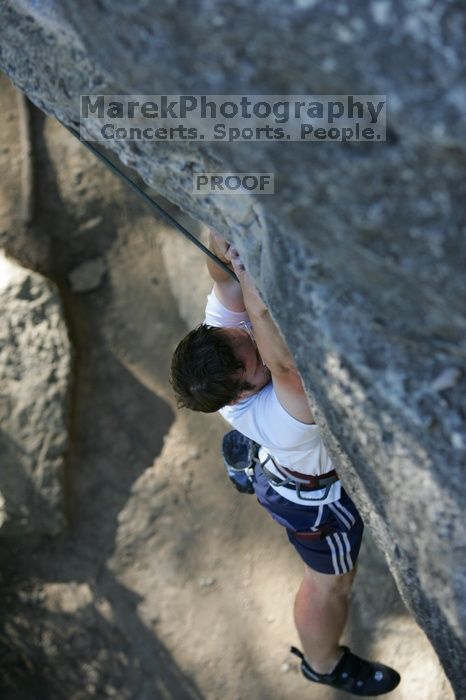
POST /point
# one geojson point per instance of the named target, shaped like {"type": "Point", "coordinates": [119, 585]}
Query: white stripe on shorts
{"type": "Point", "coordinates": [340, 549]}
{"type": "Point", "coordinates": [348, 551]}
{"type": "Point", "coordinates": [318, 519]}
{"type": "Point", "coordinates": [339, 516]}
{"type": "Point", "coordinates": [334, 554]}
{"type": "Point", "coordinates": [342, 552]}
{"type": "Point", "coordinates": [341, 507]}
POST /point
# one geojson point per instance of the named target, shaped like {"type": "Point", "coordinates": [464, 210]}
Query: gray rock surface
{"type": "Point", "coordinates": [88, 275]}
{"type": "Point", "coordinates": [360, 253]}
{"type": "Point", "coordinates": [34, 378]}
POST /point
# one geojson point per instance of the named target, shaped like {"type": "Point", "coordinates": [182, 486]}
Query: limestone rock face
{"type": "Point", "coordinates": [360, 252]}
{"type": "Point", "coordinates": [34, 376]}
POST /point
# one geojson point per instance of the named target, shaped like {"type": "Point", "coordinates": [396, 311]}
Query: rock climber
{"type": "Point", "coordinates": [237, 363]}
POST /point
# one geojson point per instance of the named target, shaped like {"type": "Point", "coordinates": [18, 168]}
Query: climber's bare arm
{"type": "Point", "coordinates": [227, 290]}
{"type": "Point", "coordinates": [272, 347]}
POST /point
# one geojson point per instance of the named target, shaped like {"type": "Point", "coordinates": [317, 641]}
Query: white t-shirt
{"type": "Point", "coordinates": [295, 445]}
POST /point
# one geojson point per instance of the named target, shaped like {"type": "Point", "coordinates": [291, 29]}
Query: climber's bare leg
{"type": "Point", "coordinates": [320, 612]}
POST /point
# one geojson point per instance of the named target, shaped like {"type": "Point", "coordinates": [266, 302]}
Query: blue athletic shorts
{"type": "Point", "coordinates": [337, 552]}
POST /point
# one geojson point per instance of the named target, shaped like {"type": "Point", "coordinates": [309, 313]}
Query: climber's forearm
{"type": "Point", "coordinates": [227, 289]}
{"type": "Point", "coordinates": [272, 347]}
{"type": "Point", "coordinates": [270, 342]}
{"type": "Point", "coordinates": [219, 247]}
{"type": "Point", "coordinates": [218, 274]}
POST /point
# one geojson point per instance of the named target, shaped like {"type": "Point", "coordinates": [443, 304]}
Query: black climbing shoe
{"type": "Point", "coordinates": [354, 675]}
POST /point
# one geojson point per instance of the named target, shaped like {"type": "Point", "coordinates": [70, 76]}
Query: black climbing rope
{"type": "Point", "coordinates": [151, 202]}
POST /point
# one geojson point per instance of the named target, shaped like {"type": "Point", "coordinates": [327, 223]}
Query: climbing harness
{"type": "Point", "coordinates": [296, 481]}
{"type": "Point", "coordinates": [151, 202]}
{"type": "Point", "coordinates": [241, 457]}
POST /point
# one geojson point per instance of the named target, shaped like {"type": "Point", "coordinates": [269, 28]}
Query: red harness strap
{"type": "Point", "coordinates": [306, 481]}
{"type": "Point", "coordinates": [309, 535]}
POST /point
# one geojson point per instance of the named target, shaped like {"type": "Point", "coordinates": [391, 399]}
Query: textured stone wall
{"type": "Point", "coordinates": [360, 253]}
{"type": "Point", "coordinates": [35, 361]}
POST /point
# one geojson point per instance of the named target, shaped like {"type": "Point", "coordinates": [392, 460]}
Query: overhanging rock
{"type": "Point", "coordinates": [360, 253]}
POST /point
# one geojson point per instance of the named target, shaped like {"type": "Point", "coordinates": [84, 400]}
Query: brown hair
{"type": "Point", "coordinates": [204, 370]}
